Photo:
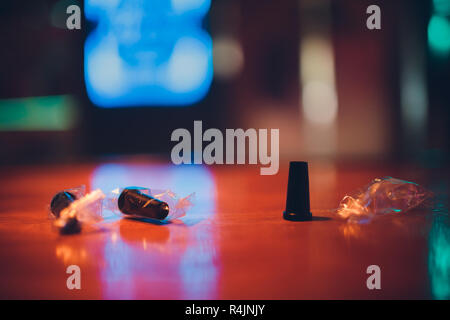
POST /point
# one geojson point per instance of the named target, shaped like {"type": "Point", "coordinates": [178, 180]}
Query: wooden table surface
{"type": "Point", "coordinates": [233, 244]}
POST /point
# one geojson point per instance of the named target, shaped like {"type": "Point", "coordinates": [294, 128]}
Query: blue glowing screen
{"type": "Point", "coordinates": [147, 52]}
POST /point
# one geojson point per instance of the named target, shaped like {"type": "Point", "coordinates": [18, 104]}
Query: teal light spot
{"type": "Point", "coordinates": [442, 7]}
{"type": "Point", "coordinates": [50, 113]}
{"type": "Point", "coordinates": [439, 254]}
{"type": "Point", "coordinates": [439, 35]}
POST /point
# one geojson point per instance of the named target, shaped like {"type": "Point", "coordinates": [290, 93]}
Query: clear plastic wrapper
{"type": "Point", "coordinates": [63, 199]}
{"type": "Point", "coordinates": [87, 209]}
{"type": "Point", "coordinates": [79, 191]}
{"type": "Point", "coordinates": [135, 202]}
{"type": "Point", "coordinates": [382, 196]}
{"type": "Point", "coordinates": [83, 210]}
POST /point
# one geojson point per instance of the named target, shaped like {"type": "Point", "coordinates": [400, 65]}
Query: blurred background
{"type": "Point", "coordinates": [137, 70]}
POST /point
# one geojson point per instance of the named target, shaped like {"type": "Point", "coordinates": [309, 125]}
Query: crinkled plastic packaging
{"type": "Point", "coordinates": [382, 196]}
{"type": "Point", "coordinates": [64, 198]}
{"type": "Point", "coordinates": [86, 209]}
{"type": "Point", "coordinates": [161, 205]}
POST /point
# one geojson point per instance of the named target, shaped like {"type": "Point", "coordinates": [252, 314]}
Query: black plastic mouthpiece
{"type": "Point", "coordinates": [133, 202]}
{"type": "Point", "coordinates": [297, 200]}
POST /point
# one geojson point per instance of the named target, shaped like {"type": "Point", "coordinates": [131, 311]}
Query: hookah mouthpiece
{"type": "Point", "coordinates": [132, 202]}
{"type": "Point", "coordinates": [60, 201]}
{"type": "Point", "coordinates": [297, 199]}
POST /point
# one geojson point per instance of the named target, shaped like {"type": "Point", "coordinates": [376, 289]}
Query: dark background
{"type": "Point", "coordinates": [40, 57]}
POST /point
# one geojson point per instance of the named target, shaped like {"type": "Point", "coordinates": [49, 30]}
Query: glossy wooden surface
{"type": "Point", "coordinates": [234, 244]}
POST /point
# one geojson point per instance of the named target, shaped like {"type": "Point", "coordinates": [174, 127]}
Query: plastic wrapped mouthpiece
{"type": "Point", "coordinates": [382, 196]}
{"type": "Point", "coordinates": [63, 199]}
{"type": "Point", "coordinates": [60, 201]}
{"type": "Point", "coordinates": [135, 203]}
{"type": "Point", "coordinates": [161, 205]}
{"type": "Point", "coordinates": [87, 209]}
